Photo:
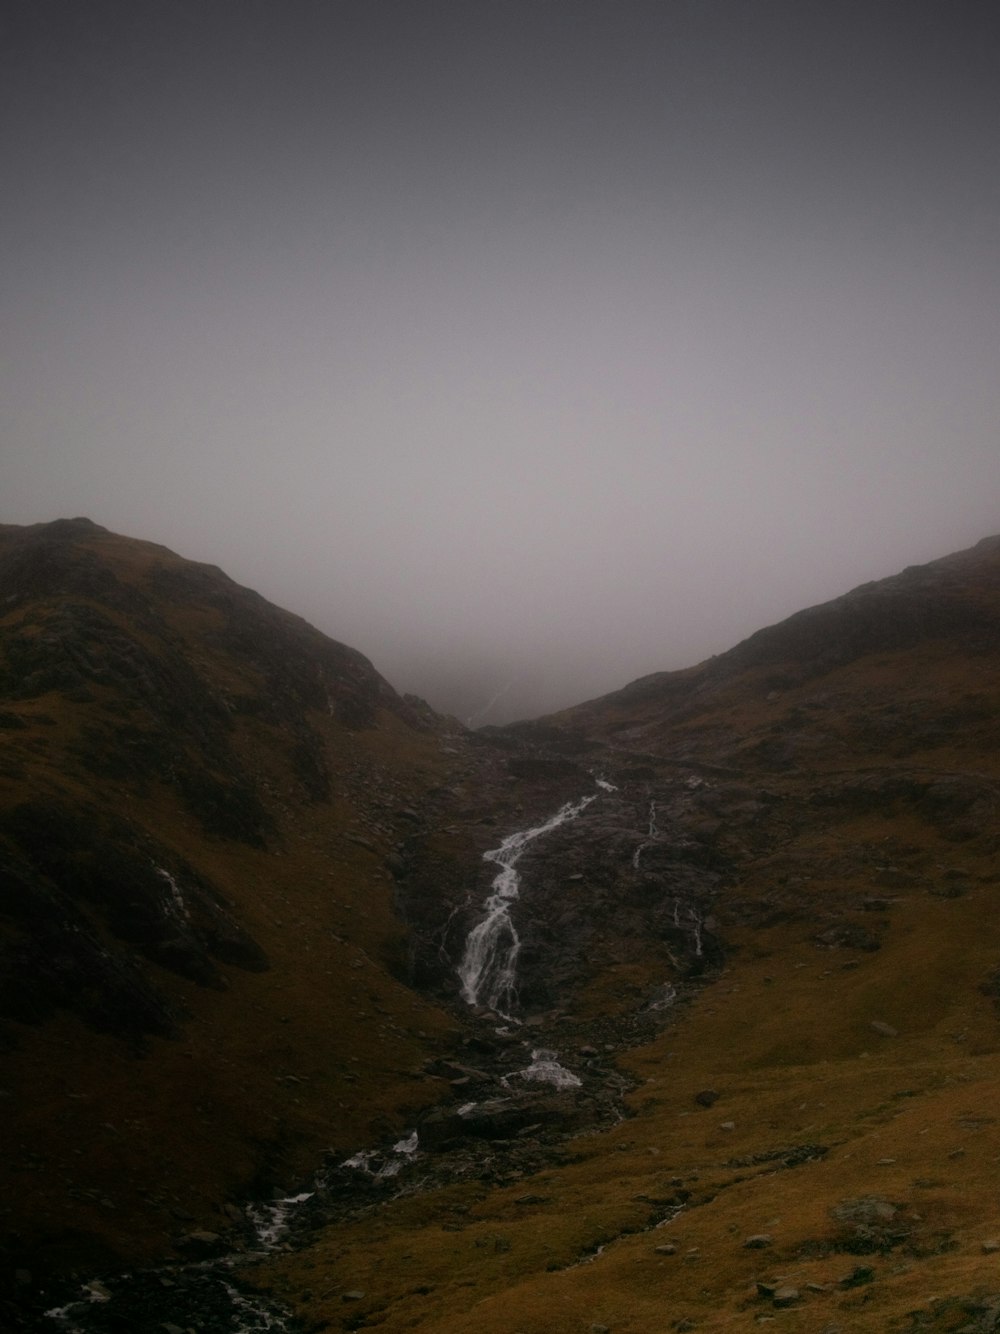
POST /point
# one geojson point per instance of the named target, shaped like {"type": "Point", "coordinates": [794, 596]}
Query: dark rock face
{"type": "Point", "coordinates": [93, 636]}
{"type": "Point", "coordinates": [51, 957]}
{"type": "Point", "coordinates": [157, 664]}
{"type": "Point", "coordinates": [68, 877]}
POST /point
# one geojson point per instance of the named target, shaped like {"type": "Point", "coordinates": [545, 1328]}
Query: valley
{"type": "Point", "coordinates": [688, 994]}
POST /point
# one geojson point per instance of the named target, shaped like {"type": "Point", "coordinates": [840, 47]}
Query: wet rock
{"type": "Point", "coordinates": [497, 1118]}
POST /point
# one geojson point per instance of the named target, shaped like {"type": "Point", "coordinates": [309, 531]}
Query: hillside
{"type": "Point", "coordinates": [747, 1071]}
{"type": "Point", "coordinates": [813, 1134]}
{"type": "Point", "coordinates": [199, 995]}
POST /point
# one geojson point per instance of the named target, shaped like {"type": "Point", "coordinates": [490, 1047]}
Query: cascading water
{"type": "Point", "coordinates": [651, 834]}
{"type": "Point", "coordinates": [488, 970]}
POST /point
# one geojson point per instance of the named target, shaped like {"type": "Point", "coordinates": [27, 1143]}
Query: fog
{"type": "Point", "coordinates": [526, 347]}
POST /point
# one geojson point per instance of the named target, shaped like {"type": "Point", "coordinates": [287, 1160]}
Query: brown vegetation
{"type": "Point", "coordinates": [812, 1130]}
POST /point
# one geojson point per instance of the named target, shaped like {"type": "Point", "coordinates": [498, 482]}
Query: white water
{"type": "Point", "coordinates": [253, 1317]}
{"type": "Point", "coordinates": [176, 905]}
{"type": "Point", "coordinates": [545, 1069]}
{"type": "Point", "coordinates": [666, 998]}
{"type": "Point", "coordinates": [474, 719]}
{"type": "Point", "coordinates": [379, 1165]}
{"type": "Point", "coordinates": [249, 1315]}
{"type": "Point", "coordinates": [651, 833]}
{"type": "Point", "coordinates": [488, 970]}
{"type": "Point", "coordinates": [270, 1221]}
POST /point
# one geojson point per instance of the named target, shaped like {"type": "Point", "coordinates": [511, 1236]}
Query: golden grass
{"type": "Point", "coordinates": [785, 1037]}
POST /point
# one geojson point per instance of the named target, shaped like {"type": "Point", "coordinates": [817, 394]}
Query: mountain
{"type": "Point", "coordinates": [198, 791]}
{"type": "Point", "coordinates": [711, 1037]}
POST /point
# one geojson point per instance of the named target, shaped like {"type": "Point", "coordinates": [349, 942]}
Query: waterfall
{"type": "Point", "coordinates": [651, 834]}
{"type": "Point", "coordinates": [488, 970]}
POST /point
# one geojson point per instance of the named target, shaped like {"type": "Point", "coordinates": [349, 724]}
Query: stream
{"type": "Point", "coordinates": [516, 1117]}
{"type": "Point", "coordinates": [488, 971]}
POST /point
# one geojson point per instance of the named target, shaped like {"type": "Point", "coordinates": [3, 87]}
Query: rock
{"type": "Point", "coordinates": [991, 1247]}
{"type": "Point", "coordinates": [668, 1248]}
{"type": "Point", "coordinates": [858, 1277]}
{"type": "Point", "coordinates": [766, 1289]}
{"type": "Point", "coordinates": [501, 1118]}
{"type": "Point", "coordinates": [786, 1297]}
{"type": "Point", "coordinates": [200, 1245]}
{"type": "Point", "coordinates": [727, 1125]}
{"type": "Point", "coordinates": [885, 1030]}
{"type": "Point", "coordinates": [850, 937]}
{"type": "Point", "coordinates": [870, 1225]}
{"type": "Point", "coordinates": [706, 1097]}
{"type": "Point", "coordinates": [355, 1295]}
{"type": "Point", "coordinates": [759, 1241]}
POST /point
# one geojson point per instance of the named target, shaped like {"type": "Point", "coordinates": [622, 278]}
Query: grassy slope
{"type": "Point", "coordinates": [784, 1036]}
{"type": "Point", "coordinates": [111, 1153]}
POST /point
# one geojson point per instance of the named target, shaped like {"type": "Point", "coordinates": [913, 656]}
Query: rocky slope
{"type": "Point", "coordinates": [748, 1071]}
{"type": "Point", "coordinates": [198, 798]}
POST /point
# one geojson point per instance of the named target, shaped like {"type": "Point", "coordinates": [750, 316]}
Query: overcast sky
{"type": "Point", "coordinates": [526, 346]}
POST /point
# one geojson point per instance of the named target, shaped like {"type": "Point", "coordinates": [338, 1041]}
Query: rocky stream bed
{"type": "Point", "coordinates": [515, 1107]}
{"type": "Point", "coordinates": [521, 1088]}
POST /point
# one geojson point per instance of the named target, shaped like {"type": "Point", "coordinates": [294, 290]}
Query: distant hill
{"type": "Point", "coordinates": [748, 1063]}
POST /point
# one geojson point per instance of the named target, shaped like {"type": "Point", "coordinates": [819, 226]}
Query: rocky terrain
{"type": "Point", "coordinates": [748, 1071]}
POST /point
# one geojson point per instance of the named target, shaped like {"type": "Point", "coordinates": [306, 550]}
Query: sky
{"type": "Point", "coordinates": [528, 346]}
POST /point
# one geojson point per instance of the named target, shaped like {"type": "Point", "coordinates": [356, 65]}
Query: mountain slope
{"type": "Point", "coordinates": [198, 795]}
